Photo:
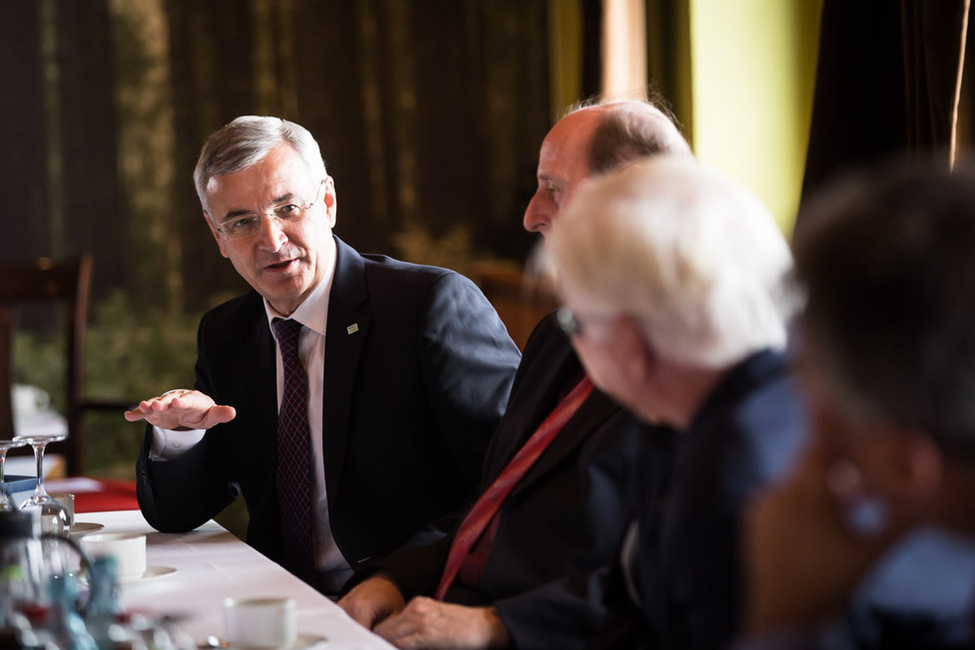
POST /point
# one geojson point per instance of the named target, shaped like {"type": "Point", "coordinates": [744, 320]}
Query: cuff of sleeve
{"type": "Point", "coordinates": [170, 445]}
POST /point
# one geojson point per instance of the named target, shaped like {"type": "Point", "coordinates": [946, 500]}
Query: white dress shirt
{"type": "Point", "coordinates": [313, 315]}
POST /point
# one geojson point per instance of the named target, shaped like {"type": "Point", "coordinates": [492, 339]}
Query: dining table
{"type": "Point", "coordinates": [190, 575]}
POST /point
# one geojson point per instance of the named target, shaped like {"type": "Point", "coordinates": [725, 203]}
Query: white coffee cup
{"type": "Point", "coordinates": [128, 549]}
{"type": "Point", "coordinates": [260, 622]}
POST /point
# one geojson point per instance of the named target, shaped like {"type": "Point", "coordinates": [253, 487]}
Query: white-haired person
{"type": "Point", "coordinates": [887, 262]}
{"type": "Point", "coordinates": [676, 293]}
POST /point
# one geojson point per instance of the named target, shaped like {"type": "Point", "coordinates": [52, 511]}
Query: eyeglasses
{"type": "Point", "coordinates": [568, 322]}
{"type": "Point", "coordinates": [572, 325]}
{"type": "Point", "coordinates": [247, 225]}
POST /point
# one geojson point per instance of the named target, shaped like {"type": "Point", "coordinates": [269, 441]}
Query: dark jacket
{"type": "Point", "coordinates": [561, 525]}
{"type": "Point", "coordinates": [412, 395]}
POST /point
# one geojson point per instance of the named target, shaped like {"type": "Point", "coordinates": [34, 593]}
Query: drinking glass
{"type": "Point", "coordinates": [54, 518]}
{"type": "Point", "coordinates": [6, 501]}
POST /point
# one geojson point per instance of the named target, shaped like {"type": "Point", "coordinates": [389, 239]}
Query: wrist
{"type": "Point", "coordinates": [499, 636]}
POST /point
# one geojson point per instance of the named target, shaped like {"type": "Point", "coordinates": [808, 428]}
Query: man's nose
{"type": "Point", "coordinates": [538, 217]}
{"type": "Point", "coordinates": [270, 234]}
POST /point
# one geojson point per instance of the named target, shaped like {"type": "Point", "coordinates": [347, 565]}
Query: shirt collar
{"type": "Point", "coordinates": [313, 312]}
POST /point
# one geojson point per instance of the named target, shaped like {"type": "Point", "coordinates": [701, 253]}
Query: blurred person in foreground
{"type": "Point", "coordinates": [887, 360]}
{"type": "Point", "coordinates": [533, 576]}
{"type": "Point", "coordinates": [675, 285]}
{"type": "Point", "coordinates": [348, 398]}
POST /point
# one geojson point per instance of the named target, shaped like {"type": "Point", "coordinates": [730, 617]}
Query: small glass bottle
{"type": "Point", "coordinates": [105, 616]}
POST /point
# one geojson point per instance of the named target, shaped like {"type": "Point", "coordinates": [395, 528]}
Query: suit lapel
{"type": "Point", "coordinates": [552, 369]}
{"type": "Point", "coordinates": [345, 333]}
{"type": "Point", "coordinates": [535, 397]}
{"type": "Point", "coordinates": [594, 411]}
{"type": "Point", "coordinates": [252, 364]}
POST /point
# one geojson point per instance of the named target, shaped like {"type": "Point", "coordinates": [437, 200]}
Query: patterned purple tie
{"type": "Point", "coordinates": [294, 457]}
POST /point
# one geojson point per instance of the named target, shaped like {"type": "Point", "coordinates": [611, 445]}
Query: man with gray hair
{"type": "Point", "coordinates": [348, 398]}
{"type": "Point", "coordinates": [526, 567]}
{"type": "Point", "coordinates": [676, 295]}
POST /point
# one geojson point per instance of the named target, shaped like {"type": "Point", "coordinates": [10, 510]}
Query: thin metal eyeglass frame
{"type": "Point", "coordinates": [270, 215]}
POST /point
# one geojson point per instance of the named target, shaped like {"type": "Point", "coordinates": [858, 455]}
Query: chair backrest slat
{"type": "Point", "coordinates": [6, 373]}
{"type": "Point", "coordinates": [67, 283]}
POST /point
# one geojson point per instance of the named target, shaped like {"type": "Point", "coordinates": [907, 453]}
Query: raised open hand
{"type": "Point", "coordinates": [181, 409]}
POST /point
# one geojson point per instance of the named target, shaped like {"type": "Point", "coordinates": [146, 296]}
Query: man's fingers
{"type": "Point", "coordinates": [181, 408]}
{"type": "Point", "coordinates": [134, 415]}
{"type": "Point", "coordinates": [223, 413]}
{"type": "Point", "coordinates": [362, 612]}
{"type": "Point", "coordinates": [364, 616]}
{"type": "Point", "coordinates": [412, 620]}
{"type": "Point", "coordinates": [372, 600]}
{"type": "Point", "coordinates": [426, 623]}
{"type": "Point", "coordinates": [394, 628]}
{"type": "Point", "coordinates": [217, 415]}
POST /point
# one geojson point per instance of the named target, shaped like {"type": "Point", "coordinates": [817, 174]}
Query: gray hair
{"type": "Point", "coordinates": [886, 260]}
{"type": "Point", "coordinates": [696, 259]}
{"type": "Point", "coordinates": [246, 141]}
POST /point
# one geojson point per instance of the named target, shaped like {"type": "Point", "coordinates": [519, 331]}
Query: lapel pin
{"type": "Point", "coordinates": [352, 329]}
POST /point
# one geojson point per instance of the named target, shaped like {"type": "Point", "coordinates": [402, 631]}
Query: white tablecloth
{"type": "Point", "coordinates": [211, 565]}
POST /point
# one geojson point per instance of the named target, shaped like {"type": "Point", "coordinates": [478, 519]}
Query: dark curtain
{"type": "Point", "coordinates": [58, 170]}
{"type": "Point", "coordinates": [429, 115]}
{"type": "Point", "coordinates": [885, 83]}
{"type": "Point", "coordinates": [591, 80]}
{"type": "Point", "coordinates": [669, 58]}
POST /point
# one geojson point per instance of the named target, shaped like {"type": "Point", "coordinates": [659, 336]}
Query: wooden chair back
{"type": "Point", "coordinates": [67, 283]}
{"type": "Point", "coordinates": [6, 368]}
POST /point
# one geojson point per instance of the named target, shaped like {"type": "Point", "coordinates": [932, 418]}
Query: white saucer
{"type": "Point", "coordinates": [83, 528]}
{"type": "Point", "coordinates": [152, 573]}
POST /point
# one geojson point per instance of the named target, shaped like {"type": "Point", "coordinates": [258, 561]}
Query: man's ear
{"type": "Point", "coordinates": [216, 235]}
{"type": "Point", "coordinates": [331, 201]}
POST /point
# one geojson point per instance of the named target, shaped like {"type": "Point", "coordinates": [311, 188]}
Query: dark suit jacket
{"type": "Point", "coordinates": [412, 398]}
{"type": "Point", "coordinates": [560, 526]}
{"type": "Point", "coordinates": [684, 566]}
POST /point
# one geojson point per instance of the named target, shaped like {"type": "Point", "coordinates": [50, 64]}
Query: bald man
{"type": "Point", "coordinates": [593, 139]}
{"type": "Point", "coordinates": [526, 567]}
